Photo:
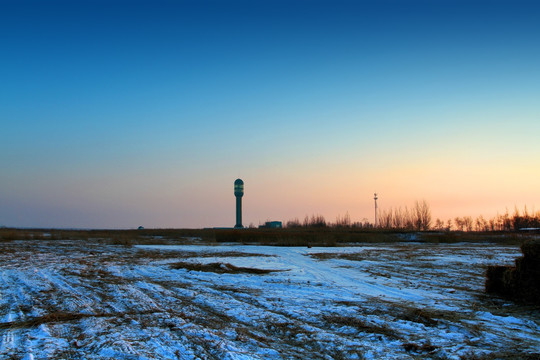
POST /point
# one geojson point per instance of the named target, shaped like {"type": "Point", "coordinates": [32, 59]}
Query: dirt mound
{"type": "Point", "coordinates": [520, 282]}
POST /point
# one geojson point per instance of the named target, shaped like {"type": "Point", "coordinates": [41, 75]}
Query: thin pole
{"type": "Point", "coordinates": [375, 198]}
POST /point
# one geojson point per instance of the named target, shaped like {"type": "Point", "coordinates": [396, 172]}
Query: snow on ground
{"type": "Point", "coordinates": [70, 299]}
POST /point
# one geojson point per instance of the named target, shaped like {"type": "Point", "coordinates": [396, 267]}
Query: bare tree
{"type": "Point", "coordinates": [366, 224]}
{"type": "Point", "coordinates": [439, 224]}
{"type": "Point", "coordinates": [398, 220]}
{"type": "Point", "coordinates": [317, 221]}
{"type": "Point", "coordinates": [468, 222]}
{"type": "Point", "coordinates": [506, 221]}
{"type": "Point", "coordinates": [459, 223]}
{"type": "Point", "coordinates": [481, 224]}
{"type": "Point", "coordinates": [385, 219]}
{"type": "Point", "coordinates": [422, 215]}
{"type": "Point", "coordinates": [417, 218]}
{"type": "Point", "coordinates": [344, 221]}
{"type": "Point", "coordinates": [408, 219]}
{"type": "Point", "coordinates": [294, 223]}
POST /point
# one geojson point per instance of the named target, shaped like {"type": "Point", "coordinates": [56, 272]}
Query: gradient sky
{"type": "Point", "coordinates": [116, 114]}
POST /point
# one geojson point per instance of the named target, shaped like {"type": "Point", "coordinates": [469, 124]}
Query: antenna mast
{"type": "Point", "coordinates": [375, 198]}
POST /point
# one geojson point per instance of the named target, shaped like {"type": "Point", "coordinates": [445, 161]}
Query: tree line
{"type": "Point", "coordinates": [505, 222]}
{"type": "Point", "coordinates": [318, 221]}
{"type": "Point", "coordinates": [419, 218]}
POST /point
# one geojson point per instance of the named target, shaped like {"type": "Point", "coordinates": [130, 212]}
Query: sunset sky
{"type": "Point", "coordinates": [116, 114]}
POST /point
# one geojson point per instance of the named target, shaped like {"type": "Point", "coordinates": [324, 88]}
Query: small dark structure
{"type": "Point", "coordinates": [271, 225]}
{"type": "Point", "coordinates": [238, 192]}
{"type": "Point", "coordinates": [521, 282]}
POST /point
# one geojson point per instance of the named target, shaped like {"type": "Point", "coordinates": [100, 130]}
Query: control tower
{"type": "Point", "coordinates": [238, 192]}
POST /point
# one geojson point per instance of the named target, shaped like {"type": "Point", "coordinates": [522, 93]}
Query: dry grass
{"type": "Point", "coordinates": [424, 348]}
{"type": "Point", "coordinates": [328, 237]}
{"type": "Point", "coordinates": [219, 268]}
{"type": "Point", "coordinates": [507, 355]}
{"type": "Point", "coordinates": [55, 317]}
{"type": "Point", "coordinates": [95, 273]}
{"type": "Point", "coordinates": [238, 290]}
{"type": "Point", "coordinates": [228, 254]}
{"type": "Point", "coordinates": [426, 317]}
{"type": "Point", "coordinates": [328, 256]}
{"type": "Point", "coordinates": [406, 252]}
{"type": "Point", "coordinates": [62, 317]}
{"type": "Point", "coordinates": [361, 325]}
{"type": "Point", "coordinates": [113, 237]}
{"type": "Point", "coordinates": [145, 255]}
{"type": "Point", "coordinates": [325, 236]}
{"type": "Point", "coordinates": [243, 334]}
{"type": "Point", "coordinates": [8, 235]}
{"type": "Point", "coordinates": [296, 336]}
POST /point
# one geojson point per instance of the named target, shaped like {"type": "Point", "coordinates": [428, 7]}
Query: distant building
{"type": "Point", "coordinates": [271, 225]}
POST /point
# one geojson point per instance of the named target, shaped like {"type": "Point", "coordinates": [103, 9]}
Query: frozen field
{"type": "Point", "coordinates": [81, 300]}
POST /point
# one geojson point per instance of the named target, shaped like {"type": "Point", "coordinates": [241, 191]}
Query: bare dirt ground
{"type": "Point", "coordinates": [89, 300]}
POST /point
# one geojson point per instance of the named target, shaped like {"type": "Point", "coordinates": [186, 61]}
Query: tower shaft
{"type": "Point", "coordinates": [238, 192]}
{"type": "Point", "coordinates": [238, 212]}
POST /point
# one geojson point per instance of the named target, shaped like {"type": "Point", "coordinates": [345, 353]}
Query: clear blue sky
{"type": "Point", "coordinates": [116, 114]}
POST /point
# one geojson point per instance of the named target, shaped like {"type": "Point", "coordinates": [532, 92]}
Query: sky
{"type": "Point", "coordinates": [119, 114]}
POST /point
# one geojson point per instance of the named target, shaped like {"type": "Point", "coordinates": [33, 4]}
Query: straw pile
{"type": "Point", "coordinates": [520, 282]}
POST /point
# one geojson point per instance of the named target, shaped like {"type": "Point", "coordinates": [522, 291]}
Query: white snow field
{"type": "Point", "coordinates": [86, 300]}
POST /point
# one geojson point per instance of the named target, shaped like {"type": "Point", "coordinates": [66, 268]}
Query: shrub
{"type": "Point", "coordinates": [522, 282]}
